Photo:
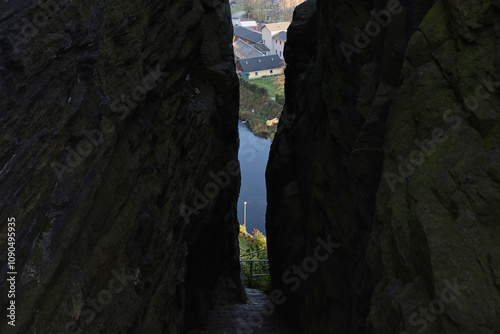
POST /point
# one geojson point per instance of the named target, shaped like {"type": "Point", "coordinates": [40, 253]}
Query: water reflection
{"type": "Point", "coordinates": [253, 156]}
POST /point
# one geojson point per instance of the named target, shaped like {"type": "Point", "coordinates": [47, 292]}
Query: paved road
{"type": "Point", "coordinates": [250, 318]}
{"type": "Point", "coordinates": [238, 15]}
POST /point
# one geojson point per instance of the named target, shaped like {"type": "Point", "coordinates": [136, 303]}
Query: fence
{"type": "Point", "coordinates": [255, 267]}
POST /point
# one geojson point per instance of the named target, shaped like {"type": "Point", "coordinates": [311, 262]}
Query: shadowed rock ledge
{"type": "Point", "coordinates": [115, 118]}
{"type": "Point", "coordinates": [389, 146]}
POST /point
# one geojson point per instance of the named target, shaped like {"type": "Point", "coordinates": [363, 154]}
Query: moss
{"type": "Point", "coordinates": [434, 26]}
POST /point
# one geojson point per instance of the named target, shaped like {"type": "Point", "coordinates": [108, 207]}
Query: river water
{"type": "Point", "coordinates": [253, 156]}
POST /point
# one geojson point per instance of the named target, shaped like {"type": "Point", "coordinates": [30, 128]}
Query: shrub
{"type": "Point", "coordinates": [260, 130]}
{"type": "Point", "coordinates": [280, 99]}
{"type": "Point", "coordinates": [262, 91]}
{"type": "Point", "coordinates": [243, 230]}
{"type": "Point", "coordinates": [252, 87]}
{"type": "Point", "coordinates": [259, 238]}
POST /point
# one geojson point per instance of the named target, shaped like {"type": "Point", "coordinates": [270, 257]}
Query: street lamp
{"type": "Point", "coordinates": [245, 216]}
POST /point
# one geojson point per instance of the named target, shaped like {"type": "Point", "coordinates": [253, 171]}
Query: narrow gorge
{"type": "Point", "coordinates": [120, 178]}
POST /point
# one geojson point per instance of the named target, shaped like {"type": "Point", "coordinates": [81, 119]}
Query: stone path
{"type": "Point", "coordinates": [247, 318]}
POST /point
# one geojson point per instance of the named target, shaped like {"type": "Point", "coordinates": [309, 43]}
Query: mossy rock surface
{"type": "Point", "coordinates": [393, 153]}
{"type": "Point", "coordinates": [114, 114]}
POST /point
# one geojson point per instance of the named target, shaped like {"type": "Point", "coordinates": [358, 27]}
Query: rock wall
{"type": "Point", "coordinates": [388, 152]}
{"type": "Point", "coordinates": [118, 161]}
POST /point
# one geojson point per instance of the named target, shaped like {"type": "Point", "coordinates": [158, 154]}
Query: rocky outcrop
{"type": "Point", "coordinates": [118, 161]}
{"type": "Point", "coordinates": [383, 179]}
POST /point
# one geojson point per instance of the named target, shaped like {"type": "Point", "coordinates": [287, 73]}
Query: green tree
{"type": "Point", "coordinates": [249, 6]}
{"type": "Point", "coordinates": [258, 9]}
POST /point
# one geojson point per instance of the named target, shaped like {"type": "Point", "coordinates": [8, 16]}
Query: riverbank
{"type": "Point", "coordinates": [257, 107]}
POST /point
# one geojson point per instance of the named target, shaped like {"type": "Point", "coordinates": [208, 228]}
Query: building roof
{"type": "Point", "coordinates": [248, 34]}
{"type": "Point", "coordinates": [261, 47]}
{"type": "Point", "coordinates": [280, 36]}
{"type": "Point", "coordinates": [276, 27]}
{"type": "Point", "coordinates": [248, 24]}
{"type": "Point", "coordinates": [260, 63]}
{"type": "Point", "coordinates": [247, 50]}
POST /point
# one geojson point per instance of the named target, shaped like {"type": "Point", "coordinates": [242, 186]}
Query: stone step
{"type": "Point", "coordinates": [246, 318]}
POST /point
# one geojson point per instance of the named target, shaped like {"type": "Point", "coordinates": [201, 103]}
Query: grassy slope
{"type": "Point", "coordinates": [268, 83]}
{"type": "Point", "coordinates": [264, 109]}
{"type": "Point", "coordinates": [236, 8]}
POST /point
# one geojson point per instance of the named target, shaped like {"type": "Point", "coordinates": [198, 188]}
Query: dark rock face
{"type": "Point", "coordinates": [119, 163]}
{"type": "Point", "coordinates": [389, 146]}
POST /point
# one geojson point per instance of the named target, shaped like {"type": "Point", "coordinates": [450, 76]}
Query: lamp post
{"type": "Point", "coordinates": [245, 216]}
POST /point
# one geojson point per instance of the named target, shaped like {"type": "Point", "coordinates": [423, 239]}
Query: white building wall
{"type": "Point", "coordinates": [267, 37]}
{"type": "Point", "coordinates": [279, 47]}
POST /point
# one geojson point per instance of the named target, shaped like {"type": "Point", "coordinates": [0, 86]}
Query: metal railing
{"type": "Point", "coordinates": [251, 275]}
{"type": "Point", "coordinates": [262, 250]}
